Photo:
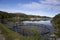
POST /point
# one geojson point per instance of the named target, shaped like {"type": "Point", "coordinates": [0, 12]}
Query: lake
{"type": "Point", "coordinates": [48, 24]}
{"type": "Point", "coordinates": [46, 29]}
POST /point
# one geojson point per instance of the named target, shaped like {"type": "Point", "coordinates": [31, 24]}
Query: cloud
{"type": "Point", "coordinates": [12, 10]}
{"type": "Point", "coordinates": [33, 5]}
{"type": "Point", "coordinates": [41, 6]}
{"type": "Point", "coordinates": [51, 2]}
{"type": "Point", "coordinates": [30, 5]}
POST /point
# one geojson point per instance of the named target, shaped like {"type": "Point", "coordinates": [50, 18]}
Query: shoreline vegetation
{"type": "Point", "coordinates": [56, 23]}
{"type": "Point", "coordinates": [8, 34]}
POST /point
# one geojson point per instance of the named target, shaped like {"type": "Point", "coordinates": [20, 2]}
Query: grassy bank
{"type": "Point", "coordinates": [11, 35]}
{"type": "Point", "coordinates": [56, 23]}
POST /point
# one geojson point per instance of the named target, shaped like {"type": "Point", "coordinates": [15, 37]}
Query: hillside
{"type": "Point", "coordinates": [6, 15]}
{"type": "Point", "coordinates": [56, 23]}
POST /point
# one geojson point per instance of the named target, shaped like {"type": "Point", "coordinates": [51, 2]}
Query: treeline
{"type": "Point", "coordinates": [5, 16]}
{"type": "Point", "coordinates": [21, 15]}
{"type": "Point", "coordinates": [56, 23]}
{"type": "Point", "coordinates": [11, 16]}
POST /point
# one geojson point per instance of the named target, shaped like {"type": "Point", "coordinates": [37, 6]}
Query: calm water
{"type": "Point", "coordinates": [46, 30]}
{"type": "Point", "coordinates": [38, 22]}
{"type": "Point", "coordinates": [46, 23]}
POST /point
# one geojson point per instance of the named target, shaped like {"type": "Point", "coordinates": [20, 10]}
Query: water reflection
{"type": "Point", "coordinates": [45, 27]}
{"type": "Point", "coordinates": [46, 23]}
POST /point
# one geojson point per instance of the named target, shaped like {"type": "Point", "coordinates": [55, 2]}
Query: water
{"type": "Point", "coordinates": [46, 23]}
{"type": "Point", "coordinates": [46, 29]}
{"type": "Point", "coordinates": [38, 22]}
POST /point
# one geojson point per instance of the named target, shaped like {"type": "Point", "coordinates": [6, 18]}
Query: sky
{"type": "Point", "coordinates": [32, 7]}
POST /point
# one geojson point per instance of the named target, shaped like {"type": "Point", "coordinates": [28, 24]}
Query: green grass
{"type": "Point", "coordinates": [11, 35]}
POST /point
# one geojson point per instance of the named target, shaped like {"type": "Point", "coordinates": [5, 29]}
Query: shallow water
{"type": "Point", "coordinates": [47, 23]}
{"type": "Point", "coordinates": [45, 30]}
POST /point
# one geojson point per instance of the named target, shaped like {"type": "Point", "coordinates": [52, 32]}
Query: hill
{"type": "Point", "coordinates": [22, 16]}
{"type": "Point", "coordinates": [56, 23]}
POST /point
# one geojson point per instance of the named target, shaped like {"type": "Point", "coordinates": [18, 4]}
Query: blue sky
{"type": "Point", "coordinates": [31, 7]}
